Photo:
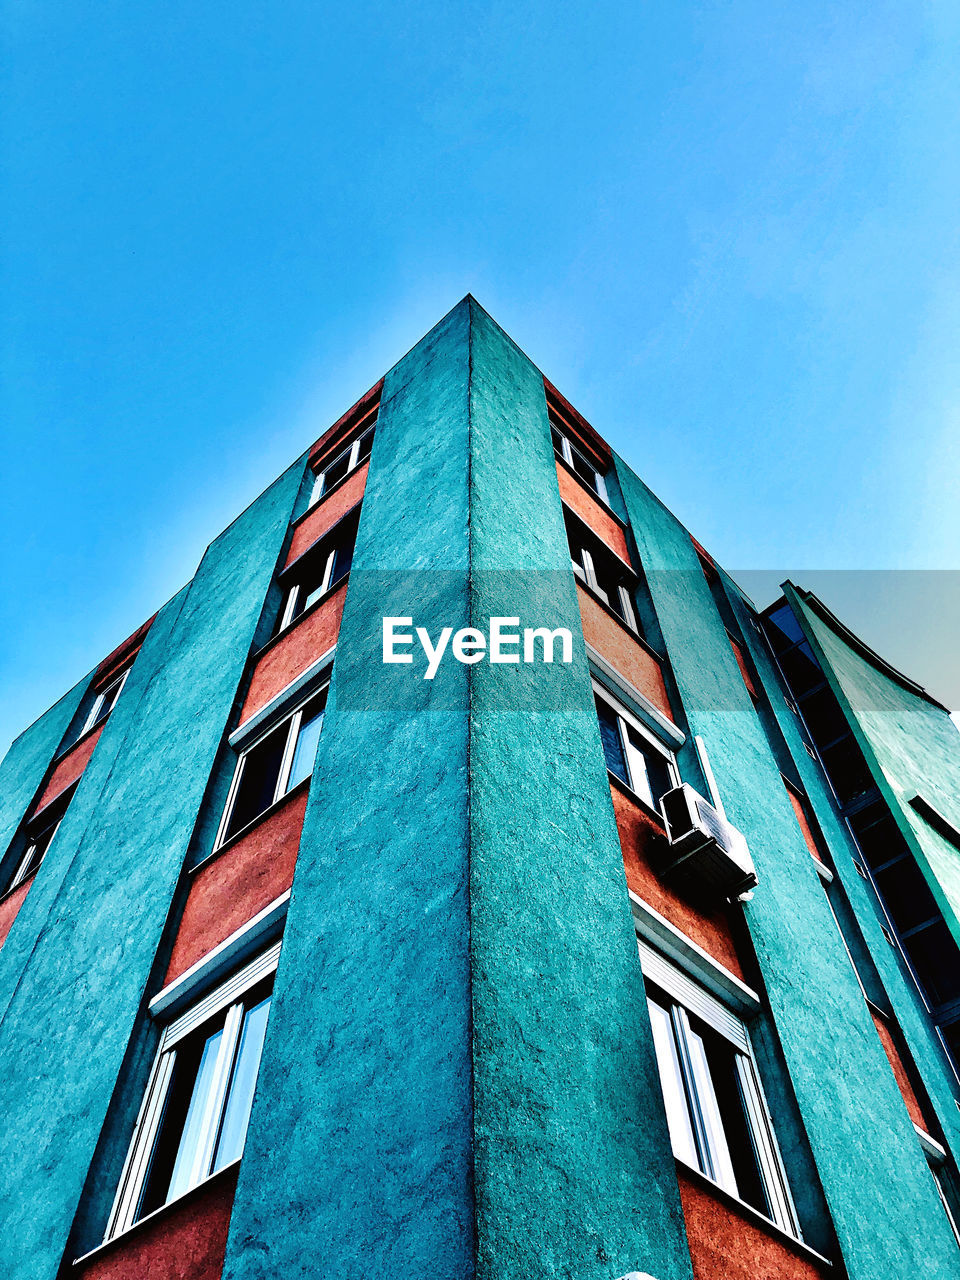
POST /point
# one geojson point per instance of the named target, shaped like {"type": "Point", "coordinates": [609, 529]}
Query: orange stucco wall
{"type": "Point", "coordinates": [185, 1242]}
{"type": "Point", "coordinates": [804, 821]}
{"type": "Point", "coordinates": [726, 1244]}
{"type": "Point", "coordinates": [900, 1071]}
{"type": "Point", "coordinates": [69, 768]}
{"type": "Point", "coordinates": [706, 925]}
{"type": "Point", "coordinates": [592, 512]}
{"type": "Point", "coordinates": [309, 638]}
{"type": "Point", "coordinates": [744, 669]}
{"type": "Point", "coordinates": [326, 514]}
{"type": "Point", "coordinates": [10, 906]}
{"type": "Point", "coordinates": [613, 642]}
{"type": "Point", "coordinates": [231, 889]}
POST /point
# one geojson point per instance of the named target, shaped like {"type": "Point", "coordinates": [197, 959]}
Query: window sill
{"type": "Point", "coordinates": [15, 887]}
{"type": "Point", "coordinates": [646, 810]}
{"type": "Point", "coordinates": [228, 1171]}
{"type": "Point", "coordinates": [334, 488]}
{"type": "Point", "coordinates": [251, 826]}
{"type": "Point", "coordinates": [604, 505]}
{"type": "Point", "coordinates": [753, 1215]}
{"type": "Point", "coordinates": [292, 626]}
{"type": "Point", "coordinates": [87, 733]}
{"type": "Point", "coordinates": [634, 635]}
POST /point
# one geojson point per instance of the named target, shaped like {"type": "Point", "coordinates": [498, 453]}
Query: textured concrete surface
{"type": "Point", "coordinates": [852, 1111]}
{"type": "Point", "coordinates": [69, 1005]}
{"type": "Point", "coordinates": [574, 1173]}
{"type": "Point", "coordinates": [357, 1159]}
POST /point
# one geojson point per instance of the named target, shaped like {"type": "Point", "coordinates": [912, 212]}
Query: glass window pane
{"type": "Point", "coordinates": [717, 1153]}
{"type": "Point", "coordinates": [671, 1082]}
{"type": "Point", "coordinates": [171, 1159]}
{"type": "Point", "coordinates": [337, 470]}
{"type": "Point", "coordinates": [236, 1114]}
{"type": "Point", "coordinates": [306, 749]}
{"type": "Point", "coordinates": [612, 744]}
{"type": "Point", "coordinates": [649, 769]}
{"type": "Point", "coordinates": [180, 1179]}
{"type": "Point", "coordinates": [557, 439]}
{"type": "Point", "coordinates": [933, 953]}
{"type": "Point", "coordinates": [258, 781]}
{"type": "Point", "coordinates": [366, 444]}
{"type": "Point", "coordinates": [783, 628]}
{"type": "Point", "coordinates": [740, 1145]}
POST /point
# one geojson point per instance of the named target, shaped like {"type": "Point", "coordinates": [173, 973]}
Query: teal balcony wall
{"type": "Point", "coordinates": [901, 992]}
{"type": "Point", "coordinates": [69, 1015]}
{"type": "Point", "coordinates": [912, 746]}
{"type": "Point", "coordinates": [851, 1108]}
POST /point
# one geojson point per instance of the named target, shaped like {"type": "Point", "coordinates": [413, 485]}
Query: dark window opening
{"type": "Point", "coordinates": [602, 571]}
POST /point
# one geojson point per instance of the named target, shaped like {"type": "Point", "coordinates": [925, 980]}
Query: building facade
{"type": "Point", "coordinates": [316, 964]}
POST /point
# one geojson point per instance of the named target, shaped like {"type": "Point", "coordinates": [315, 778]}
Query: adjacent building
{"type": "Point", "coordinates": [633, 954]}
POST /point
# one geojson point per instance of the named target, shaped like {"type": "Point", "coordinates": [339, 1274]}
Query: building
{"type": "Point", "coordinates": [516, 1028]}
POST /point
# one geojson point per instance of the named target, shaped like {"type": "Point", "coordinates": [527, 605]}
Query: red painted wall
{"type": "Point", "coordinates": [10, 906]}
{"type": "Point", "coordinates": [234, 886]}
{"type": "Point", "coordinates": [744, 669]}
{"type": "Point", "coordinates": [708, 928]}
{"type": "Point", "coordinates": [69, 768]}
{"type": "Point", "coordinates": [726, 1244]}
{"type": "Point", "coordinates": [187, 1241]}
{"type": "Point", "coordinates": [804, 821]}
{"type": "Point", "coordinates": [302, 644]}
{"type": "Point", "coordinates": [326, 513]}
{"type": "Point", "coordinates": [900, 1071]}
{"type": "Point", "coordinates": [635, 663]}
{"type": "Point", "coordinates": [592, 512]}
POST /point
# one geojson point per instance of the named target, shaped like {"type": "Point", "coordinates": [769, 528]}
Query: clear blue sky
{"type": "Point", "coordinates": [728, 232]}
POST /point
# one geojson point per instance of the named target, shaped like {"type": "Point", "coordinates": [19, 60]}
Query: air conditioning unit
{"type": "Point", "coordinates": [705, 851]}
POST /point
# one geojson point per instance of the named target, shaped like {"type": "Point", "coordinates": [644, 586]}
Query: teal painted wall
{"type": "Point", "coordinates": [69, 1015]}
{"type": "Point", "coordinates": [575, 1175]}
{"type": "Point", "coordinates": [911, 745]}
{"type": "Point", "coordinates": [357, 1161]}
{"type": "Point", "coordinates": [857, 1125]}
{"type": "Point", "coordinates": [899, 989]}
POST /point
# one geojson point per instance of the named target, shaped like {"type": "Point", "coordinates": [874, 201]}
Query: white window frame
{"type": "Point", "coordinates": [626, 718]}
{"type": "Point", "coordinates": [566, 452]}
{"type": "Point", "coordinates": [586, 571]}
{"type": "Point", "coordinates": [293, 720]}
{"type": "Point", "coordinates": [353, 449]}
{"type": "Point", "coordinates": [229, 995]}
{"type": "Point", "coordinates": [293, 595]}
{"type": "Point", "coordinates": [101, 697]}
{"type": "Point", "coordinates": [688, 996]}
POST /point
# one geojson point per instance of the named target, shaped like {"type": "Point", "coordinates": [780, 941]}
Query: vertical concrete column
{"type": "Point", "coordinates": [859, 1130]}
{"type": "Point", "coordinates": [84, 945]}
{"type": "Point", "coordinates": [357, 1161]}
{"type": "Point", "coordinates": [574, 1172]}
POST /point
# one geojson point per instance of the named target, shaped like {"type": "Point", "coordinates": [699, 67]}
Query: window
{"type": "Point", "coordinates": [716, 1113]}
{"type": "Point", "coordinates": [39, 835]}
{"type": "Point", "coordinates": [579, 463]}
{"type": "Point", "coordinates": [273, 765]}
{"type": "Point", "coordinates": [633, 754]}
{"type": "Point", "coordinates": [194, 1116]}
{"type": "Point", "coordinates": [340, 467]}
{"type": "Point", "coordinates": [602, 571]}
{"type": "Point", "coordinates": [104, 702]}
{"type": "Point", "coordinates": [319, 570]}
